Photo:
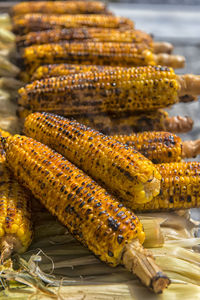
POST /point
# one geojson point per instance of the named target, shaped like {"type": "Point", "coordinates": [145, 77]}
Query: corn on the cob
{"type": "Point", "coordinates": [94, 34]}
{"type": "Point", "coordinates": [15, 215]}
{"type": "Point", "coordinates": [116, 91]}
{"type": "Point", "coordinates": [38, 22]}
{"type": "Point", "coordinates": [160, 147]}
{"type": "Point", "coordinates": [157, 120]}
{"type": "Point", "coordinates": [96, 219]}
{"type": "Point", "coordinates": [60, 7]}
{"type": "Point", "coordinates": [180, 188]}
{"type": "Point", "coordinates": [97, 53]}
{"type": "Point", "coordinates": [125, 172]}
{"type": "Point", "coordinates": [56, 70]}
{"type": "Point", "coordinates": [82, 34]}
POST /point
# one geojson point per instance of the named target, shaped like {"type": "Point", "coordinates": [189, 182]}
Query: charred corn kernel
{"type": "Point", "coordinates": [15, 221]}
{"type": "Point", "coordinates": [96, 219]}
{"type": "Point", "coordinates": [125, 172]}
{"type": "Point", "coordinates": [180, 187]}
{"type": "Point", "coordinates": [60, 7]}
{"type": "Point", "coordinates": [90, 213]}
{"type": "Point", "coordinates": [157, 146]}
{"type": "Point", "coordinates": [84, 34]}
{"type": "Point", "coordinates": [157, 120]}
{"type": "Point", "coordinates": [97, 53]}
{"type": "Point", "coordinates": [57, 70]}
{"type": "Point", "coordinates": [119, 91]}
{"type": "Point", "coordinates": [3, 134]}
{"type": "Point", "coordinates": [38, 22]}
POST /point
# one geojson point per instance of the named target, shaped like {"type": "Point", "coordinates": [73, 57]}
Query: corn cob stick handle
{"type": "Point", "coordinates": [113, 226]}
{"type": "Point", "coordinates": [141, 261]}
{"type": "Point", "coordinates": [178, 124]}
{"type": "Point", "coordinates": [162, 47]}
{"type": "Point", "coordinates": [174, 61]}
{"type": "Point", "coordinates": [190, 149]}
{"type": "Point", "coordinates": [189, 84]}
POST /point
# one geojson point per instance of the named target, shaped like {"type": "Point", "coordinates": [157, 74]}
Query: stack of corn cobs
{"type": "Point", "coordinates": [78, 60]}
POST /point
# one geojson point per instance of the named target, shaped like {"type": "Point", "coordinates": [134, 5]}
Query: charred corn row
{"type": "Point", "coordinates": [60, 7]}
{"type": "Point", "coordinates": [125, 172]}
{"type": "Point", "coordinates": [180, 187]}
{"type": "Point", "coordinates": [95, 34]}
{"type": "Point", "coordinates": [38, 22]}
{"type": "Point", "coordinates": [109, 91]}
{"type": "Point", "coordinates": [96, 53]}
{"type": "Point", "coordinates": [96, 219]}
{"type": "Point", "coordinates": [160, 147]}
{"type": "Point", "coordinates": [157, 120]}
{"type": "Point", "coordinates": [56, 70]}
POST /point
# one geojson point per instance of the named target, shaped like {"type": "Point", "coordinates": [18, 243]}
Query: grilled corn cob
{"type": "Point", "coordinates": [125, 172]}
{"type": "Point", "coordinates": [157, 120]}
{"type": "Point", "coordinates": [15, 223]}
{"type": "Point", "coordinates": [118, 91]}
{"type": "Point", "coordinates": [82, 34]}
{"type": "Point", "coordinates": [60, 7]}
{"type": "Point", "coordinates": [38, 22]}
{"type": "Point", "coordinates": [57, 70]}
{"type": "Point", "coordinates": [97, 53]}
{"type": "Point", "coordinates": [180, 188]}
{"type": "Point", "coordinates": [160, 146]}
{"type": "Point", "coordinates": [93, 34]}
{"type": "Point", "coordinates": [96, 219]}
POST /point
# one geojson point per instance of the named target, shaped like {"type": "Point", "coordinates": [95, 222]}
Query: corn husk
{"type": "Point", "coordinates": [6, 36]}
{"type": "Point", "coordinates": [5, 22]}
{"type": "Point", "coordinates": [7, 69]}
